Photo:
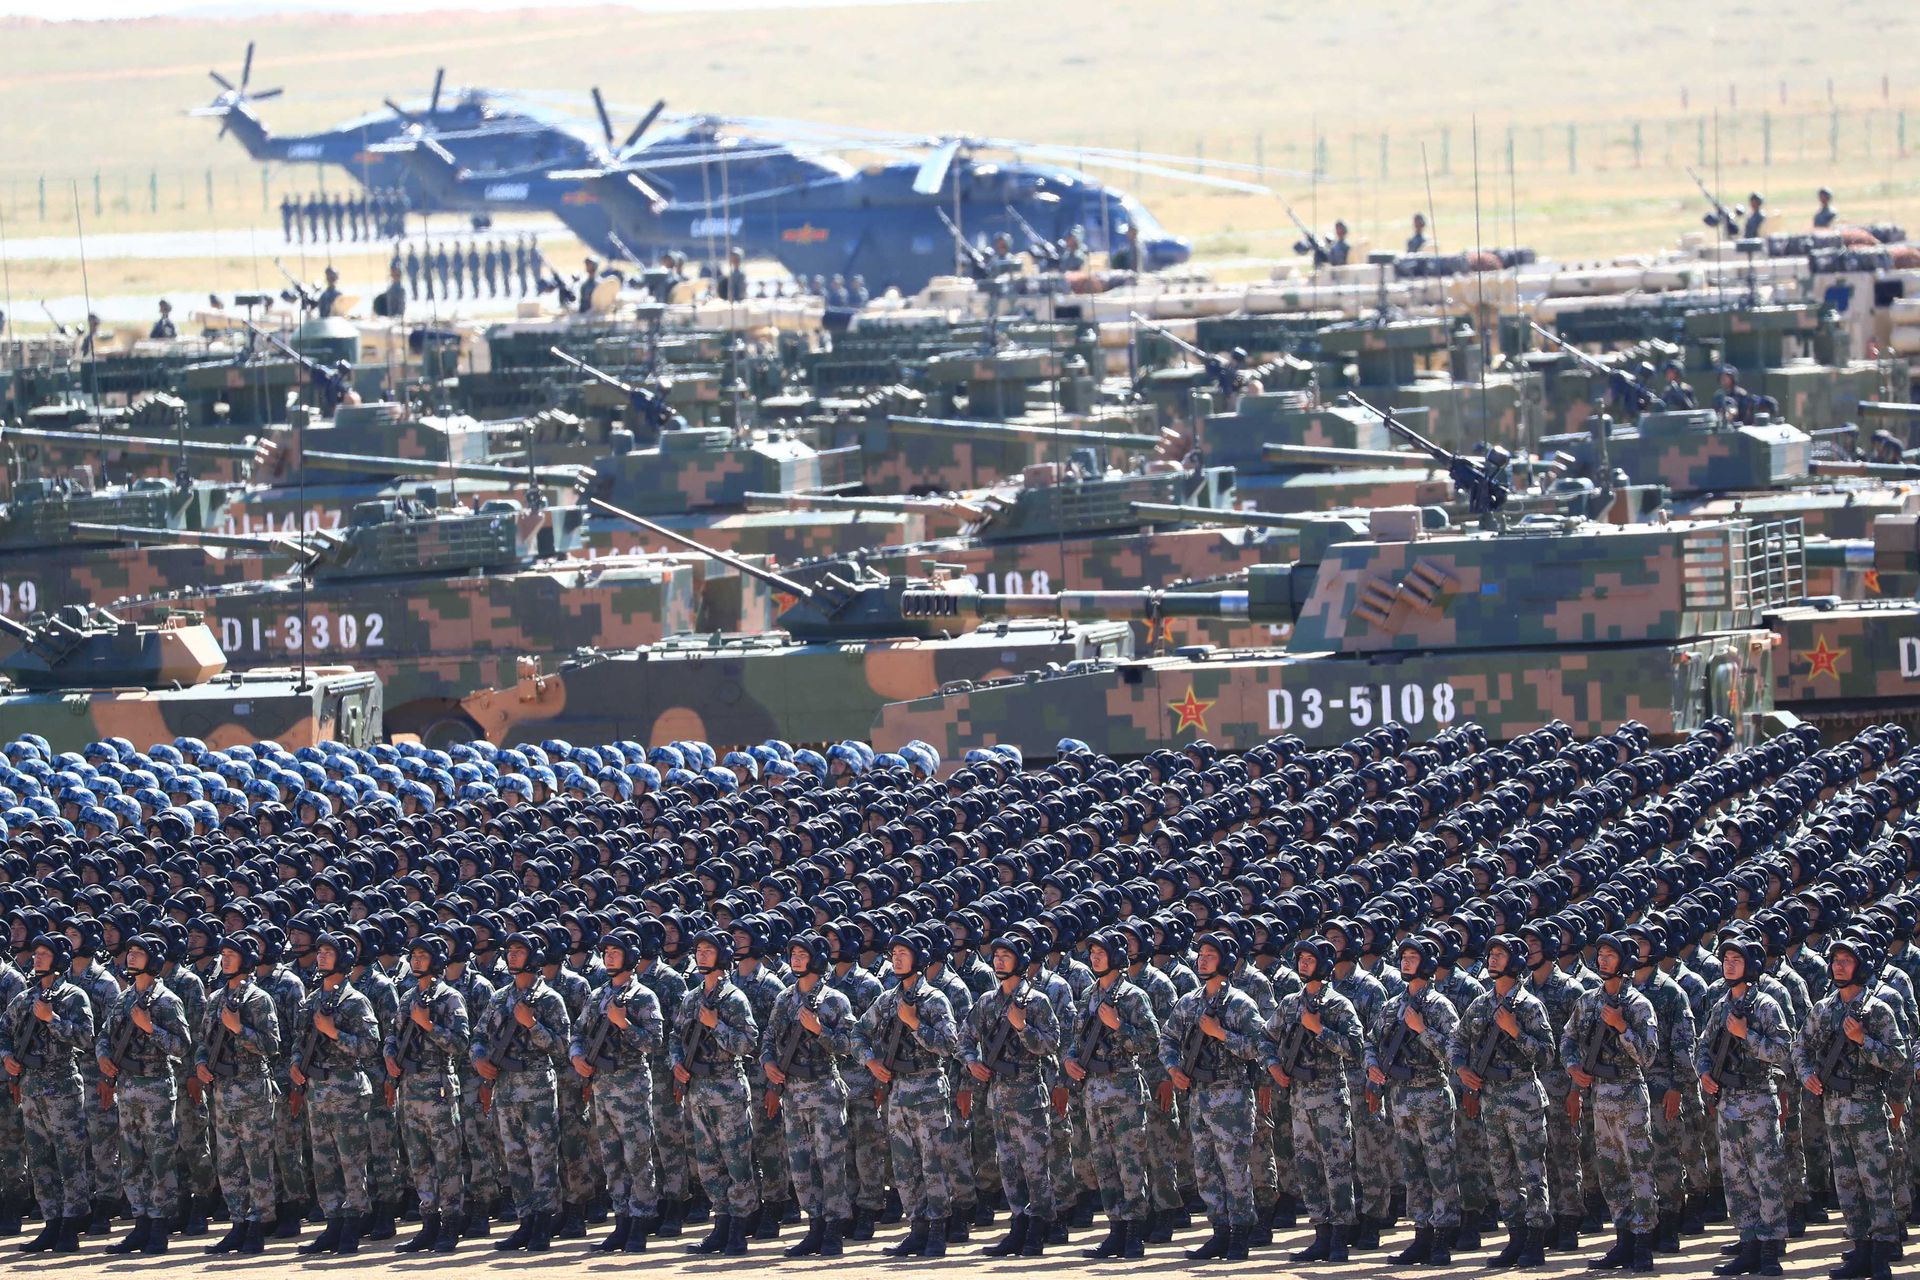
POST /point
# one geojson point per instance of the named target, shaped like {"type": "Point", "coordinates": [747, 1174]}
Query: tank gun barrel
{"type": "Point", "coordinates": [598, 375]}
{"type": "Point", "coordinates": [323, 460]}
{"type": "Point", "coordinates": [955, 507]}
{"type": "Point", "coordinates": [1143, 605]}
{"type": "Point", "coordinates": [1877, 470]}
{"type": "Point", "coordinates": [1904, 412]}
{"type": "Point", "coordinates": [1479, 482]}
{"type": "Point", "coordinates": [141, 534]}
{"type": "Point", "coordinates": [780, 581]}
{"type": "Point", "coordinates": [128, 444]}
{"type": "Point", "coordinates": [1064, 435]}
{"type": "Point", "coordinates": [1158, 511]}
{"type": "Point", "coordinates": [1313, 455]}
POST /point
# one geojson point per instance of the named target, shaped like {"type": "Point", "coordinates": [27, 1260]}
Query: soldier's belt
{"type": "Point", "coordinates": [1425, 1077]}
{"type": "Point", "coordinates": [320, 1071]}
{"type": "Point", "coordinates": [1498, 1073]}
{"type": "Point", "coordinates": [904, 1071]}
{"type": "Point", "coordinates": [1746, 1082]}
{"type": "Point", "coordinates": [708, 1069]}
{"type": "Point", "coordinates": [1607, 1071]}
{"type": "Point", "coordinates": [1840, 1085]}
{"type": "Point", "coordinates": [1100, 1067]}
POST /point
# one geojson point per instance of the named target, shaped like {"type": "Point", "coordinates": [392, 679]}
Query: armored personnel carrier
{"type": "Point", "coordinates": [842, 649]}
{"type": "Point", "coordinates": [82, 675]}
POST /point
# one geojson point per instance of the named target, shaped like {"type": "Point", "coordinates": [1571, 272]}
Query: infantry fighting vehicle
{"type": "Point", "coordinates": [841, 649]}
{"type": "Point", "coordinates": [84, 674]}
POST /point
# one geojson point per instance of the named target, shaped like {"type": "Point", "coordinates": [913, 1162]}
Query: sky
{"type": "Point", "coordinates": [112, 10]}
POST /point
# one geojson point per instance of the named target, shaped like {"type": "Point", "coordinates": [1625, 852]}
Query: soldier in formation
{"type": "Point", "coordinates": [1487, 982]}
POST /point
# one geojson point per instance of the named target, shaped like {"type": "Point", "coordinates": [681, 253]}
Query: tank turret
{"type": "Point", "coordinates": [81, 648]}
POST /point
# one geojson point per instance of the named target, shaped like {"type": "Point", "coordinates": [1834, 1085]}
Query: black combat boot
{"type": "Point", "coordinates": [478, 1225]}
{"type": "Point", "coordinates": [100, 1219]}
{"type": "Point", "coordinates": [1796, 1221]}
{"type": "Point", "coordinates": [1135, 1243]}
{"type": "Point", "coordinates": [1441, 1255]}
{"type": "Point", "coordinates": [349, 1235]}
{"type": "Point", "coordinates": [1259, 1235]}
{"type": "Point", "coordinates": [1769, 1264]}
{"type": "Point", "coordinates": [378, 1225]}
{"type": "Point", "coordinates": [1855, 1263]}
{"type": "Point", "coordinates": [830, 1238]}
{"type": "Point", "coordinates": [1215, 1247]}
{"type": "Point", "coordinates": [1315, 1252]}
{"type": "Point", "coordinates": [1285, 1214]}
{"type": "Point", "coordinates": [863, 1223]}
{"type": "Point", "coordinates": [673, 1217]}
{"type": "Point", "coordinates": [1083, 1210]}
{"type": "Point", "coordinates": [572, 1223]}
{"type": "Point", "coordinates": [1880, 1266]}
{"type": "Point", "coordinates": [1566, 1232]}
{"type": "Point", "coordinates": [1159, 1226]}
{"type": "Point", "coordinates": [1039, 1236]}
{"type": "Point", "coordinates": [135, 1240]}
{"type": "Point", "coordinates": [1642, 1259]}
{"type": "Point", "coordinates": [983, 1212]}
{"type": "Point", "coordinates": [716, 1239]}
{"type": "Point", "coordinates": [286, 1220]}
{"type": "Point", "coordinates": [1533, 1248]}
{"type": "Point", "coordinates": [637, 1237]}
{"type": "Point", "coordinates": [325, 1241]}
{"type": "Point", "coordinates": [541, 1238]}
{"type": "Point", "coordinates": [225, 1244]}
{"type": "Point", "coordinates": [1417, 1252]}
{"type": "Point", "coordinates": [255, 1240]}
{"type": "Point", "coordinates": [1056, 1232]}
{"type": "Point", "coordinates": [522, 1232]}
{"type": "Point", "coordinates": [1337, 1246]}
{"type": "Point", "coordinates": [936, 1239]}
{"type": "Point", "coordinates": [1007, 1246]}
{"type": "Point", "coordinates": [616, 1239]}
{"type": "Point", "coordinates": [1666, 1232]}
{"type": "Point", "coordinates": [1113, 1245]}
{"type": "Point", "coordinates": [736, 1238]}
{"type": "Point", "coordinates": [960, 1226]}
{"type": "Point", "coordinates": [157, 1231]}
{"type": "Point", "coordinates": [1467, 1237]}
{"type": "Point", "coordinates": [1510, 1255]}
{"type": "Point", "coordinates": [1618, 1256]}
{"type": "Point", "coordinates": [1236, 1244]}
{"type": "Point", "coordinates": [449, 1238]}
{"type": "Point", "coordinates": [1743, 1263]}
{"type": "Point", "coordinates": [9, 1216]}
{"type": "Point", "coordinates": [429, 1232]}
{"type": "Point", "coordinates": [894, 1211]}
{"type": "Point", "coordinates": [808, 1245]}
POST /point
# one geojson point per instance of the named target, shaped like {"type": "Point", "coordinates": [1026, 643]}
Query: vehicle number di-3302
{"type": "Point", "coordinates": [1362, 705]}
{"type": "Point", "coordinates": [296, 632]}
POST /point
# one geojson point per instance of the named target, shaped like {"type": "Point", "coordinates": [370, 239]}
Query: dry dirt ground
{"type": "Point", "coordinates": [1806, 1258]}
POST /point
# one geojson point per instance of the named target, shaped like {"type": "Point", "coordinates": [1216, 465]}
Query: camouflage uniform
{"type": "Point", "coordinates": [1374, 1148]}
{"type": "Point", "coordinates": [621, 1092]}
{"type": "Point", "coordinates": [577, 1165]}
{"type": "Point", "coordinates": [52, 1097]}
{"type": "Point", "coordinates": [386, 1179]}
{"type": "Point", "coordinates": [919, 1105]}
{"type": "Point", "coordinates": [671, 1140]}
{"type": "Point", "coordinates": [1476, 1191]}
{"type": "Point", "coordinates": [1219, 1106]}
{"type": "Point", "coordinates": [1618, 1101]}
{"type": "Point", "coordinates": [13, 1133]}
{"type": "Point", "coordinates": [718, 1100]}
{"type": "Point", "coordinates": [292, 1171]}
{"type": "Point", "coordinates": [982, 1150]}
{"type": "Point", "coordinates": [479, 1135]}
{"type": "Point", "coordinates": [865, 1130]}
{"type": "Point", "coordinates": [103, 1123]}
{"type": "Point", "coordinates": [762, 987]}
{"type": "Point", "coordinates": [145, 1091]}
{"type": "Point", "coordinates": [1115, 1095]}
{"type": "Point", "coordinates": [1752, 1149]}
{"type": "Point", "coordinates": [244, 1105]}
{"type": "Point", "coordinates": [1670, 1072]}
{"type": "Point", "coordinates": [813, 1102]}
{"type": "Point", "coordinates": [338, 1095]}
{"type": "Point", "coordinates": [1018, 1095]}
{"type": "Point", "coordinates": [1322, 1105]}
{"type": "Point", "coordinates": [1854, 1106]}
{"type": "Point", "coordinates": [1513, 1106]}
{"type": "Point", "coordinates": [1420, 1104]}
{"type": "Point", "coordinates": [427, 1098]}
{"type": "Point", "coordinates": [1163, 1174]}
{"type": "Point", "coordinates": [1558, 994]}
{"type": "Point", "coordinates": [1258, 986]}
{"type": "Point", "coordinates": [194, 1140]}
{"type": "Point", "coordinates": [525, 1105]}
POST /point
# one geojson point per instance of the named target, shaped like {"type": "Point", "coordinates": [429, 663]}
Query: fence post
{"type": "Point", "coordinates": [266, 196]}
{"type": "Point", "coordinates": [1383, 155]}
{"type": "Point", "coordinates": [153, 191]}
{"type": "Point", "coordinates": [43, 197]}
{"type": "Point", "coordinates": [1446, 148]}
{"type": "Point", "coordinates": [209, 189]}
{"type": "Point", "coordinates": [1573, 134]}
{"type": "Point", "coordinates": [1700, 140]}
{"type": "Point", "coordinates": [1766, 137]}
{"type": "Point", "coordinates": [96, 193]}
{"type": "Point", "coordinates": [1636, 144]}
{"type": "Point", "coordinates": [1900, 131]}
{"type": "Point", "coordinates": [1260, 153]}
{"type": "Point", "coordinates": [1833, 128]}
{"type": "Point", "coordinates": [1200, 155]}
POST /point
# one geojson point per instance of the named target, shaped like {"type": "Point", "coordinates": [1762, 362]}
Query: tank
{"type": "Point", "coordinates": [841, 649]}
{"type": "Point", "coordinates": [86, 674]}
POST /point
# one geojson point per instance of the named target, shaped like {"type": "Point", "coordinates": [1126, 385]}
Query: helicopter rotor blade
{"type": "Point", "coordinates": [399, 110]}
{"type": "Point", "coordinates": [223, 82]}
{"type": "Point", "coordinates": [264, 94]}
{"type": "Point", "coordinates": [600, 109]}
{"type": "Point", "coordinates": [246, 68]}
{"type": "Point", "coordinates": [646, 121]}
{"type": "Point", "coordinates": [933, 170]}
{"type": "Point", "coordinates": [439, 78]}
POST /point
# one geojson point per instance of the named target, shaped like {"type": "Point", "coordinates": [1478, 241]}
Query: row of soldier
{"type": "Point", "coordinates": [486, 268]}
{"type": "Point", "coordinates": [1475, 982]}
{"type": "Point", "coordinates": [359, 217]}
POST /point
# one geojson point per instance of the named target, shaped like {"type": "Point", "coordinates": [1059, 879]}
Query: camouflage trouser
{"type": "Point", "coordinates": [1753, 1160]}
{"type": "Point", "coordinates": [984, 1151]}
{"type": "Point", "coordinates": [1220, 1122]}
{"type": "Point", "coordinates": [1813, 1140]}
{"type": "Point", "coordinates": [723, 1141]}
{"type": "Point", "coordinates": [769, 1144]}
{"type": "Point", "coordinates": [1164, 1139]}
{"type": "Point", "coordinates": [1563, 1147]}
{"type": "Point", "coordinates": [623, 1125]}
{"type": "Point", "coordinates": [1266, 1174]}
{"type": "Point", "coordinates": [1864, 1174]}
{"type": "Point", "coordinates": [386, 1175]}
{"type": "Point", "coordinates": [869, 1137]}
{"type": "Point", "coordinates": [1476, 1184]}
{"type": "Point", "coordinates": [337, 1122]}
{"type": "Point", "coordinates": [576, 1147]}
{"type": "Point", "coordinates": [54, 1113]}
{"type": "Point", "coordinates": [1668, 1155]}
{"type": "Point", "coordinates": [196, 1142]}
{"type": "Point", "coordinates": [149, 1144]}
{"type": "Point", "coordinates": [1323, 1148]}
{"type": "Point", "coordinates": [429, 1108]}
{"type": "Point", "coordinates": [103, 1134]}
{"type": "Point", "coordinates": [1374, 1149]}
{"type": "Point", "coordinates": [813, 1114]}
{"type": "Point", "coordinates": [479, 1144]}
{"type": "Point", "coordinates": [527, 1111]}
{"type": "Point", "coordinates": [13, 1149]}
{"type": "Point", "coordinates": [245, 1114]}
{"type": "Point", "coordinates": [917, 1115]}
{"type": "Point", "coordinates": [1793, 1155]}
{"type": "Point", "coordinates": [672, 1143]}
{"type": "Point", "coordinates": [1023, 1124]}
{"type": "Point", "coordinates": [1622, 1146]}
{"type": "Point", "coordinates": [1059, 1147]}
{"type": "Point", "coordinates": [1699, 1144]}
{"type": "Point", "coordinates": [1513, 1116]}
{"type": "Point", "coordinates": [960, 1146]}
{"type": "Point", "coordinates": [1116, 1107]}
{"type": "Point", "coordinates": [1422, 1115]}
{"type": "Point", "coordinates": [288, 1144]}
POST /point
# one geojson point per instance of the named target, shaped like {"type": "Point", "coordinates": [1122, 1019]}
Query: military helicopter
{"type": "Point", "coordinates": [483, 128]}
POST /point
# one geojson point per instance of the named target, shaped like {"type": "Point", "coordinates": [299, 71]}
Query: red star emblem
{"type": "Point", "coordinates": [805, 233]}
{"type": "Point", "coordinates": [1192, 712]}
{"type": "Point", "coordinates": [1823, 661]}
{"type": "Point", "coordinates": [1162, 628]}
{"type": "Point", "coordinates": [1873, 581]}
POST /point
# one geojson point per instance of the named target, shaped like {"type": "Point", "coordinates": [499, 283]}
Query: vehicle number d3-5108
{"type": "Point", "coordinates": [1363, 705]}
